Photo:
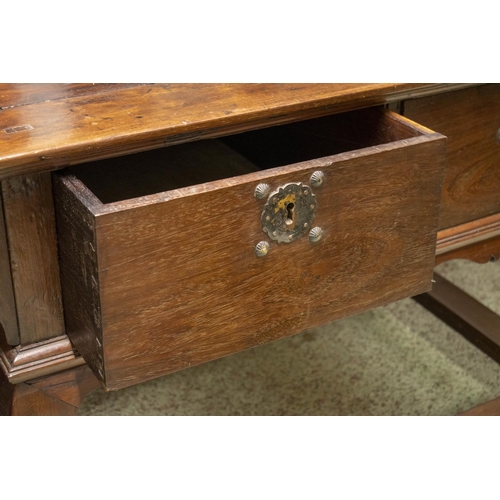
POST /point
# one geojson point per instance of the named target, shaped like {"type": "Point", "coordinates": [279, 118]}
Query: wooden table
{"type": "Point", "coordinates": [44, 128]}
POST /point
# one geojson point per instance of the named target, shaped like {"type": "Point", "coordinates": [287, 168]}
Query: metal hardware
{"type": "Point", "coordinates": [315, 234]}
{"type": "Point", "coordinates": [262, 249]}
{"type": "Point", "coordinates": [317, 178]}
{"type": "Point", "coordinates": [262, 190]}
{"type": "Point", "coordinates": [288, 212]}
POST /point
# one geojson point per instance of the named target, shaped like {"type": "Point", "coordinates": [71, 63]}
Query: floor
{"type": "Point", "coordinates": [396, 360]}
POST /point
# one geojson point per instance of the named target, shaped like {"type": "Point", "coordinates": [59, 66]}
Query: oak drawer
{"type": "Point", "coordinates": [158, 249]}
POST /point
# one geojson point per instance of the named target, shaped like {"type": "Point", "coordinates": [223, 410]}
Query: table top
{"type": "Point", "coordinates": [49, 126]}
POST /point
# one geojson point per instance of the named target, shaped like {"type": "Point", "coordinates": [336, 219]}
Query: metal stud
{"type": "Point", "coordinates": [262, 249]}
{"type": "Point", "coordinates": [262, 190]}
{"type": "Point", "coordinates": [317, 178]}
{"type": "Point", "coordinates": [315, 234]}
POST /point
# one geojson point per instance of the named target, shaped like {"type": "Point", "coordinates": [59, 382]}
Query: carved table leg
{"type": "Point", "coordinates": [480, 252]}
{"type": "Point", "coordinates": [59, 394]}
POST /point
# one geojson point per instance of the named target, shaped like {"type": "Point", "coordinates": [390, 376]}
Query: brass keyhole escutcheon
{"type": "Point", "coordinates": [288, 212]}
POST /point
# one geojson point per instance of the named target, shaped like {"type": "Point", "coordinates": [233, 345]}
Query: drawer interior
{"type": "Point", "coordinates": [175, 167]}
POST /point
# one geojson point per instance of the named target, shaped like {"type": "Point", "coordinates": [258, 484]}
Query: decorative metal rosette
{"type": "Point", "coordinates": [288, 212]}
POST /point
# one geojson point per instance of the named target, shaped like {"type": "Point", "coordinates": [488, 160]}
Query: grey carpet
{"type": "Point", "coordinates": [397, 360]}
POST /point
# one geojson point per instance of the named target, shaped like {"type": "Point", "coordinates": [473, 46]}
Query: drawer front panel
{"type": "Point", "coordinates": [471, 120]}
{"type": "Point", "coordinates": [180, 283]}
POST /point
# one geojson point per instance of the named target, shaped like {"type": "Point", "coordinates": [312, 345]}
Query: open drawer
{"type": "Point", "coordinates": [169, 259]}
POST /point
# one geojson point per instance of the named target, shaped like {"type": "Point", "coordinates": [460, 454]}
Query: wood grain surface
{"type": "Point", "coordinates": [74, 127]}
{"type": "Point", "coordinates": [28, 401]}
{"type": "Point", "coordinates": [177, 281]}
{"type": "Point", "coordinates": [70, 386]}
{"type": "Point", "coordinates": [30, 221]}
{"type": "Point", "coordinates": [8, 316]}
{"type": "Point", "coordinates": [79, 271]}
{"type": "Point", "coordinates": [23, 94]}
{"type": "Point", "coordinates": [470, 119]}
{"type": "Point", "coordinates": [55, 395]}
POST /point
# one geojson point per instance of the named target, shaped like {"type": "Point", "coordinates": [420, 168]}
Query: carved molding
{"type": "Point", "coordinates": [478, 240]}
{"type": "Point", "coordinates": [468, 234]}
{"type": "Point", "coordinates": [23, 363]}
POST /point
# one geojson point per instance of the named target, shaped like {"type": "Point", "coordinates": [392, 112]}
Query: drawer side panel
{"type": "Point", "coordinates": [79, 274]}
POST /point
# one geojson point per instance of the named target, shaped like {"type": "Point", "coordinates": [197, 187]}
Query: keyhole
{"type": "Point", "coordinates": [289, 213]}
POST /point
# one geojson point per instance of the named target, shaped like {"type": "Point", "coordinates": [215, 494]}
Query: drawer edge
{"type": "Point", "coordinates": [79, 274]}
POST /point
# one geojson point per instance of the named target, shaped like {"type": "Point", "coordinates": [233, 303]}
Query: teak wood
{"type": "Point", "coordinates": [170, 280]}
